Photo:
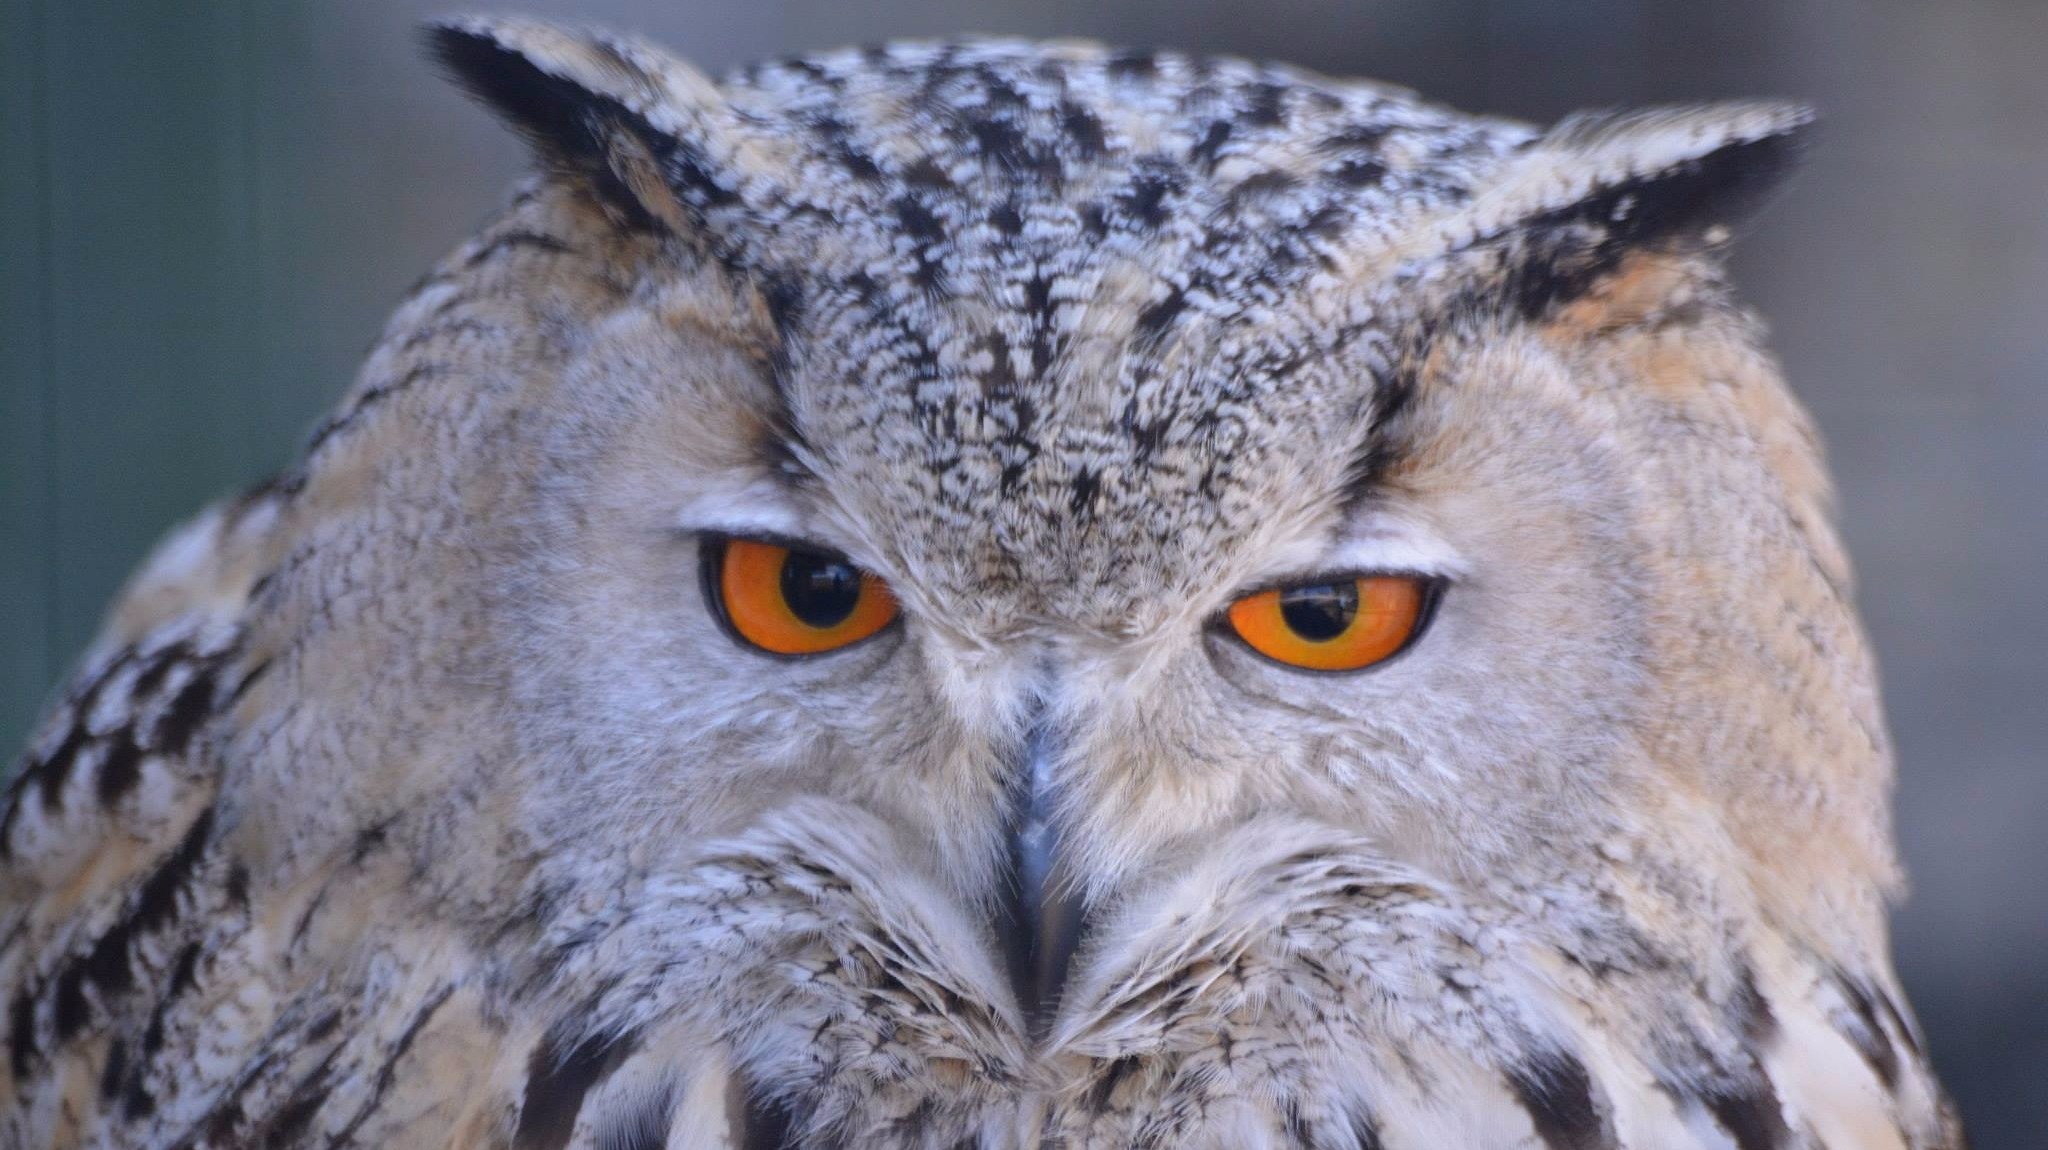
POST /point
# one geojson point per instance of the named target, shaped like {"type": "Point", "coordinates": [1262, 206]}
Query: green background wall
{"type": "Point", "coordinates": [206, 210]}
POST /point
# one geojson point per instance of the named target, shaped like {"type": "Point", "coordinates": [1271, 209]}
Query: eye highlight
{"type": "Point", "coordinates": [1345, 623]}
{"type": "Point", "coordinates": [790, 601]}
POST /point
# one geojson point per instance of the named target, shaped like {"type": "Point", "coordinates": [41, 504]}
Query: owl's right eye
{"type": "Point", "coordinates": [791, 601]}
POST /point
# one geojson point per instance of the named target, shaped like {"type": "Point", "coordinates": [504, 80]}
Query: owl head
{"type": "Point", "coordinates": [997, 586]}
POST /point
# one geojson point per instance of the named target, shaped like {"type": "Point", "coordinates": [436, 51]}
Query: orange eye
{"type": "Point", "coordinates": [1344, 624]}
{"type": "Point", "coordinates": [791, 602]}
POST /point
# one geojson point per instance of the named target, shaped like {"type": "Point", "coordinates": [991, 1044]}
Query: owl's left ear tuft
{"type": "Point", "coordinates": [1578, 200]}
{"type": "Point", "coordinates": [1669, 173]}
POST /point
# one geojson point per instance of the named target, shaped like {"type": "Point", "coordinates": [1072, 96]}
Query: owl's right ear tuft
{"type": "Point", "coordinates": [629, 121]}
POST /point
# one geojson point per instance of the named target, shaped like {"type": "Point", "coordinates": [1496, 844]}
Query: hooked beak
{"type": "Point", "coordinates": [1041, 918]}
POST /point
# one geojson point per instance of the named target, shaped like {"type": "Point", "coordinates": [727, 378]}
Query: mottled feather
{"type": "Point", "coordinates": [419, 799]}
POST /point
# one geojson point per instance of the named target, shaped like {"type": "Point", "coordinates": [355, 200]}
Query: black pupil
{"type": "Point", "coordinates": [820, 591]}
{"type": "Point", "coordinates": [1321, 611]}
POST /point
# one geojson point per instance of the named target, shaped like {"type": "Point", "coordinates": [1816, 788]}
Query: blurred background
{"type": "Point", "coordinates": [206, 211]}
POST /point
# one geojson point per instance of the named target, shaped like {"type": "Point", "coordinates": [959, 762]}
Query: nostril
{"type": "Point", "coordinates": [1043, 917]}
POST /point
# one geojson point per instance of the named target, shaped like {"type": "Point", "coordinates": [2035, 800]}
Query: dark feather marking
{"type": "Point", "coordinates": [1558, 1094]}
{"type": "Point", "coordinates": [160, 666]}
{"type": "Point", "coordinates": [1899, 1022]}
{"type": "Point", "coordinates": [999, 141]}
{"type": "Point", "coordinates": [1365, 1131]}
{"type": "Point", "coordinates": [236, 885]}
{"type": "Point", "coordinates": [680, 162]}
{"type": "Point", "coordinates": [926, 173]}
{"type": "Point", "coordinates": [218, 1124]}
{"type": "Point", "coordinates": [1267, 105]}
{"type": "Point", "coordinates": [1083, 489]}
{"type": "Point", "coordinates": [1038, 301]}
{"type": "Point", "coordinates": [1379, 449]}
{"type": "Point", "coordinates": [783, 296]}
{"type": "Point", "coordinates": [1005, 218]}
{"type": "Point", "coordinates": [107, 965]}
{"type": "Point", "coordinates": [192, 706]}
{"type": "Point", "coordinates": [21, 1033]}
{"type": "Point", "coordinates": [1145, 200]}
{"type": "Point", "coordinates": [120, 770]}
{"type": "Point", "coordinates": [323, 1027]}
{"type": "Point", "coordinates": [156, 903]}
{"type": "Point", "coordinates": [769, 1124]}
{"type": "Point", "coordinates": [1094, 221]}
{"type": "Point", "coordinates": [371, 839]}
{"type": "Point", "coordinates": [1753, 1017]}
{"type": "Point", "coordinates": [51, 773]}
{"type": "Point", "coordinates": [1868, 1035]}
{"type": "Point", "coordinates": [250, 677]}
{"type": "Point", "coordinates": [563, 1069]}
{"type": "Point", "coordinates": [1258, 186]}
{"type": "Point", "coordinates": [918, 221]}
{"type": "Point", "coordinates": [136, 1101]}
{"type": "Point", "coordinates": [1084, 129]}
{"type": "Point", "coordinates": [512, 240]}
{"type": "Point", "coordinates": [1204, 154]}
{"type": "Point", "coordinates": [115, 1071]}
{"type": "Point", "coordinates": [184, 976]}
{"type": "Point", "coordinates": [1327, 224]}
{"type": "Point", "coordinates": [781, 443]}
{"type": "Point", "coordinates": [1107, 1081]}
{"type": "Point", "coordinates": [1752, 1116]}
{"type": "Point", "coordinates": [250, 499]}
{"type": "Point", "coordinates": [1359, 173]}
{"type": "Point", "coordinates": [387, 1074]}
{"type": "Point", "coordinates": [231, 1126]}
{"type": "Point", "coordinates": [857, 163]}
{"type": "Point", "coordinates": [1133, 63]}
{"type": "Point", "coordinates": [1358, 137]}
{"type": "Point", "coordinates": [1154, 320]}
{"type": "Point", "coordinates": [1296, 1129]}
{"type": "Point", "coordinates": [70, 1011]}
{"type": "Point", "coordinates": [291, 1122]}
{"type": "Point", "coordinates": [369, 399]}
{"type": "Point", "coordinates": [435, 330]}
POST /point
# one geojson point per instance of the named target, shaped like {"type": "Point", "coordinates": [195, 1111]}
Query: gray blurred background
{"type": "Point", "coordinates": [207, 209]}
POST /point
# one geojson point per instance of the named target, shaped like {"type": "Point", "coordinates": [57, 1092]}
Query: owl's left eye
{"type": "Point", "coordinates": [1345, 623]}
{"type": "Point", "coordinates": [791, 601]}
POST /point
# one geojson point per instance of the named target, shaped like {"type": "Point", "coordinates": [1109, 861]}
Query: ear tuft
{"type": "Point", "coordinates": [615, 113]}
{"type": "Point", "coordinates": [1578, 200]}
{"type": "Point", "coordinates": [1661, 174]}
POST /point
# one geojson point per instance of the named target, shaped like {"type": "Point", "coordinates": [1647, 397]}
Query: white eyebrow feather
{"type": "Point", "coordinates": [1392, 541]}
{"type": "Point", "coordinates": [753, 507]}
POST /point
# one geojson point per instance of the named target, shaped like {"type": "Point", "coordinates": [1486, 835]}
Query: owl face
{"type": "Point", "coordinates": [1099, 628]}
{"type": "Point", "coordinates": [1000, 594]}
{"type": "Point", "coordinates": [1072, 352]}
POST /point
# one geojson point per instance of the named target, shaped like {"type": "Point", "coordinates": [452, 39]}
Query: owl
{"type": "Point", "coordinates": [1000, 595]}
